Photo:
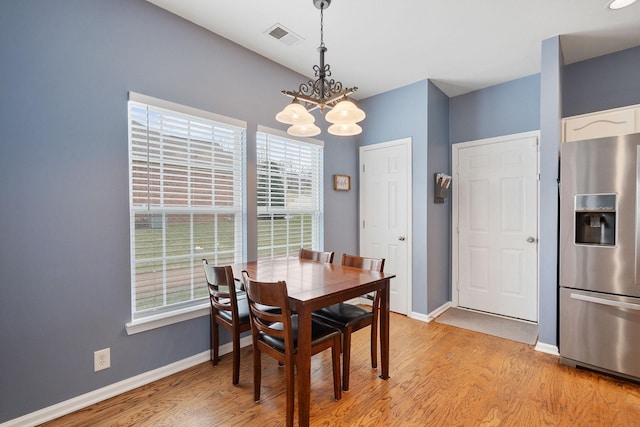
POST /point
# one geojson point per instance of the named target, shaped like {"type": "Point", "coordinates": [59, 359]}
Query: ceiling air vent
{"type": "Point", "coordinates": [286, 36]}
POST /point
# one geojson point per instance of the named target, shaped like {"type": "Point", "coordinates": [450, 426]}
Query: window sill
{"type": "Point", "coordinates": [164, 319]}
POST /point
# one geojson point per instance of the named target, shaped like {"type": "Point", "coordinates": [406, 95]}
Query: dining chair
{"type": "Point", "coordinates": [316, 255]}
{"type": "Point", "coordinates": [276, 334]}
{"type": "Point", "coordinates": [350, 318]}
{"type": "Point", "coordinates": [227, 310]}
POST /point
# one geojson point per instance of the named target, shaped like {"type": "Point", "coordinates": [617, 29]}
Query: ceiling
{"type": "Point", "coordinates": [461, 45]}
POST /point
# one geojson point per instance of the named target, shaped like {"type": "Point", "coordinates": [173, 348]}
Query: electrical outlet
{"type": "Point", "coordinates": [101, 359]}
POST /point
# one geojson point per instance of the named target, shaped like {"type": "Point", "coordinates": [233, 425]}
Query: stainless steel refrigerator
{"type": "Point", "coordinates": [599, 255]}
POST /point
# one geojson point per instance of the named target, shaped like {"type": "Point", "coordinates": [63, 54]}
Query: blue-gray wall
{"type": "Point", "coordinates": [420, 111]}
{"type": "Point", "coordinates": [67, 67]}
{"type": "Point", "coordinates": [609, 81]}
{"type": "Point", "coordinates": [503, 109]}
{"type": "Point", "coordinates": [550, 131]}
{"type": "Point", "coordinates": [397, 114]}
{"type": "Point", "coordinates": [438, 215]}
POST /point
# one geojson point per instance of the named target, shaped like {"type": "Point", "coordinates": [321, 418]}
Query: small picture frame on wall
{"type": "Point", "coordinates": [341, 182]}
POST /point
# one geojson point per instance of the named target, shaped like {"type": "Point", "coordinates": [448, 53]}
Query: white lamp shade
{"type": "Point", "coordinates": [345, 112]}
{"type": "Point", "coordinates": [344, 129]}
{"type": "Point", "coordinates": [619, 4]}
{"type": "Point", "coordinates": [305, 130]}
{"type": "Point", "coordinates": [295, 114]}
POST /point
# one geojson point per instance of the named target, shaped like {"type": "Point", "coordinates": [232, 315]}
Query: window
{"type": "Point", "coordinates": [186, 183]}
{"type": "Point", "coordinates": [289, 194]}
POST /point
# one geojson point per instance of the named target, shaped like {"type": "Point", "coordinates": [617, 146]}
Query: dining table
{"type": "Point", "coordinates": [312, 285]}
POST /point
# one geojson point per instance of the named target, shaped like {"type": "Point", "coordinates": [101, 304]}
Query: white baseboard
{"type": "Point", "coordinates": [438, 311]}
{"type": "Point", "coordinates": [418, 316]}
{"type": "Point", "coordinates": [80, 402]}
{"type": "Point", "coordinates": [431, 316]}
{"type": "Point", "coordinates": [547, 348]}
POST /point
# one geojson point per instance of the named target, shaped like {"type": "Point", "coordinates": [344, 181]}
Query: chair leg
{"type": "Point", "coordinates": [257, 373]}
{"type": "Point", "coordinates": [236, 357]}
{"type": "Point", "coordinates": [290, 391]}
{"type": "Point", "coordinates": [374, 342]}
{"type": "Point", "coordinates": [346, 358]}
{"type": "Point", "coordinates": [214, 341]}
{"type": "Point", "coordinates": [335, 355]}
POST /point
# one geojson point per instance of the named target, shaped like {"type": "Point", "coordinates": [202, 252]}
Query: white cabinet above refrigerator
{"type": "Point", "coordinates": [601, 124]}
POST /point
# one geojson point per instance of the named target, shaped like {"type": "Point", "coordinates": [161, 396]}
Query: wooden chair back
{"type": "Point", "coordinates": [316, 255]}
{"type": "Point", "coordinates": [263, 298]}
{"type": "Point", "coordinates": [373, 264]}
{"type": "Point", "coordinates": [222, 290]}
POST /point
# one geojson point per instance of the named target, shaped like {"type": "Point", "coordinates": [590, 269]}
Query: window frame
{"type": "Point", "coordinates": [265, 135]}
{"type": "Point", "coordinates": [188, 204]}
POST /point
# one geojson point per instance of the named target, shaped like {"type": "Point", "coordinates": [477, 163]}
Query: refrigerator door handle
{"type": "Point", "coordinates": [618, 304]}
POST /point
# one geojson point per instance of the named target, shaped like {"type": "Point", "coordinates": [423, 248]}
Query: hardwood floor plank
{"type": "Point", "coordinates": [440, 376]}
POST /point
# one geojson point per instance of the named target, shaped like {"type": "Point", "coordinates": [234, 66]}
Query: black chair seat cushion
{"type": "Point", "coordinates": [319, 332]}
{"type": "Point", "coordinates": [342, 313]}
{"type": "Point", "coordinates": [243, 310]}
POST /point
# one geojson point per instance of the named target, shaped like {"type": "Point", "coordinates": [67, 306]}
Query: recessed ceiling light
{"type": "Point", "coordinates": [619, 4]}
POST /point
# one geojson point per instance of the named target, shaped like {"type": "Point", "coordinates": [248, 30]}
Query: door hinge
{"type": "Point", "coordinates": [363, 168]}
{"type": "Point", "coordinates": [363, 224]}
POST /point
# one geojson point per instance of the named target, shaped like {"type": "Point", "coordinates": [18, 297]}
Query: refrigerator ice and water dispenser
{"type": "Point", "coordinates": [595, 219]}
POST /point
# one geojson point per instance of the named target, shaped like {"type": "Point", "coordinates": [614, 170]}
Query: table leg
{"type": "Point", "coordinates": [384, 330]}
{"type": "Point", "coordinates": [304, 366]}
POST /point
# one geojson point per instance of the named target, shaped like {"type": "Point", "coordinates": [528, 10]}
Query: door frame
{"type": "Point", "coordinates": [455, 150]}
{"type": "Point", "coordinates": [408, 142]}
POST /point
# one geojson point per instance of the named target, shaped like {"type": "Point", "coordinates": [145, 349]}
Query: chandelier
{"type": "Point", "coordinates": [322, 93]}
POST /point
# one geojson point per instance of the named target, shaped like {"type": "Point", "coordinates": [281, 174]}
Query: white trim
{"type": "Point", "coordinates": [495, 140]}
{"type": "Point", "coordinates": [168, 105]}
{"type": "Point", "coordinates": [168, 318]}
{"type": "Point", "coordinates": [104, 393]}
{"type": "Point", "coordinates": [282, 134]}
{"type": "Point", "coordinates": [438, 311]}
{"type": "Point", "coordinates": [547, 348]}
{"type": "Point", "coordinates": [419, 316]}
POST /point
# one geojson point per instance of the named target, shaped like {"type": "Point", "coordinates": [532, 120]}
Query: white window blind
{"type": "Point", "coordinates": [289, 174]}
{"type": "Point", "coordinates": [186, 184]}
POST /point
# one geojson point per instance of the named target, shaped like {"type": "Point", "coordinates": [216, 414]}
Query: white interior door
{"type": "Point", "coordinates": [497, 215]}
{"type": "Point", "coordinates": [385, 213]}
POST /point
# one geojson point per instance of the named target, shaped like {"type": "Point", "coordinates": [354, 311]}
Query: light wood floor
{"type": "Point", "coordinates": [440, 376]}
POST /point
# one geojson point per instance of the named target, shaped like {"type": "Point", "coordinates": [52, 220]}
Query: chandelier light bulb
{"type": "Point", "coordinates": [294, 114]}
{"type": "Point", "coordinates": [304, 130]}
{"type": "Point", "coordinates": [345, 112]}
{"type": "Point", "coordinates": [344, 129]}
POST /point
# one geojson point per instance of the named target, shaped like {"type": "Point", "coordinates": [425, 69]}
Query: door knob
{"type": "Point", "coordinates": [531, 239]}
{"type": "Point", "coordinates": [401, 238]}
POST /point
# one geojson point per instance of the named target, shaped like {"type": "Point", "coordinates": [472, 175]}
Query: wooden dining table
{"type": "Point", "coordinates": [312, 285]}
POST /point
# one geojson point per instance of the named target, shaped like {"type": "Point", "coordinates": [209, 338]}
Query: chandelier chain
{"type": "Point", "coordinates": [322, 25]}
